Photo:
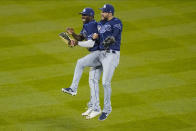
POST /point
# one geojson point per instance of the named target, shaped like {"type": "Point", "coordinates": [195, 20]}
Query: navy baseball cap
{"type": "Point", "coordinates": [87, 11]}
{"type": "Point", "coordinates": [107, 8]}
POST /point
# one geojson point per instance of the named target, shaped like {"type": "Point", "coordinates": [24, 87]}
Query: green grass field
{"type": "Point", "coordinates": [153, 88]}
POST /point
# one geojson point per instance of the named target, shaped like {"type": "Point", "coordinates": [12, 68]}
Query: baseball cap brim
{"type": "Point", "coordinates": [103, 9]}
{"type": "Point", "coordinates": [81, 13]}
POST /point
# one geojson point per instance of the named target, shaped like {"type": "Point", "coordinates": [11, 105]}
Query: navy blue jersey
{"type": "Point", "coordinates": [88, 30]}
{"type": "Point", "coordinates": [110, 28]}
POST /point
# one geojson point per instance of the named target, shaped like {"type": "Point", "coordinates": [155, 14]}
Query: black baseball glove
{"type": "Point", "coordinates": [108, 41]}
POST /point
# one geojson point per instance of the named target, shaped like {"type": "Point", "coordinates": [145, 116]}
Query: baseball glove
{"type": "Point", "coordinates": [108, 41]}
{"type": "Point", "coordinates": [68, 39]}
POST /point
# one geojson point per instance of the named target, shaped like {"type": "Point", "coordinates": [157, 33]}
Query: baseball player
{"type": "Point", "coordinates": [106, 56]}
{"type": "Point", "coordinates": [109, 32]}
{"type": "Point", "coordinates": [89, 28]}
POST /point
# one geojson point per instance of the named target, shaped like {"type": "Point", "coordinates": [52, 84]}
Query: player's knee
{"type": "Point", "coordinates": [80, 63]}
{"type": "Point", "coordinates": [93, 82]}
{"type": "Point", "coordinates": [106, 84]}
{"type": "Point", "coordinates": [90, 81]}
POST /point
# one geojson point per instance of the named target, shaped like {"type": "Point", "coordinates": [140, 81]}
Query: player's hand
{"type": "Point", "coordinates": [73, 43]}
{"type": "Point", "coordinates": [70, 30]}
{"type": "Point", "coordinates": [95, 36]}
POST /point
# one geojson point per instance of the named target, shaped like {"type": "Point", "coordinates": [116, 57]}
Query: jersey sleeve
{"type": "Point", "coordinates": [117, 25]}
{"type": "Point", "coordinates": [81, 32]}
{"type": "Point", "coordinates": [91, 29]}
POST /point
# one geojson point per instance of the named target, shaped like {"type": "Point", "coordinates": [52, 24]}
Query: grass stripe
{"type": "Point", "coordinates": [33, 61]}
{"type": "Point", "coordinates": [37, 73]}
{"type": "Point", "coordinates": [169, 123]}
{"type": "Point", "coordinates": [169, 54]}
{"type": "Point", "coordinates": [34, 27]}
{"type": "Point", "coordinates": [158, 56]}
{"type": "Point", "coordinates": [156, 22]}
{"type": "Point", "coordinates": [140, 57]}
{"type": "Point", "coordinates": [47, 48]}
{"type": "Point", "coordinates": [187, 129]}
{"type": "Point", "coordinates": [177, 30]}
{"type": "Point", "coordinates": [26, 100]}
{"type": "Point", "coordinates": [145, 13]}
{"type": "Point", "coordinates": [181, 8]}
{"type": "Point", "coordinates": [151, 110]}
{"type": "Point", "coordinates": [136, 113]}
{"type": "Point", "coordinates": [160, 32]}
{"type": "Point", "coordinates": [151, 96]}
{"type": "Point", "coordinates": [155, 82]}
{"type": "Point", "coordinates": [155, 69]}
{"type": "Point", "coordinates": [177, 106]}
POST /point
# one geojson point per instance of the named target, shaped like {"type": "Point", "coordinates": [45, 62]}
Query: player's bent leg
{"type": "Point", "coordinates": [77, 75]}
{"type": "Point", "coordinates": [72, 90]}
{"type": "Point", "coordinates": [88, 60]}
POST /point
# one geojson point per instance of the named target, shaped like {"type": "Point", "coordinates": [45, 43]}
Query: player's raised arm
{"type": "Point", "coordinates": [79, 37]}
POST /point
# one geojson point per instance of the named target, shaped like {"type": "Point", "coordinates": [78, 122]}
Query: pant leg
{"type": "Point", "coordinates": [90, 60]}
{"type": "Point", "coordinates": [94, 78]}
{"type": "Point", "coordinates": [109, 62]}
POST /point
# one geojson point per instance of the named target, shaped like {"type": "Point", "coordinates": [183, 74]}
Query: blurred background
{"type": "Point", "coordinates": [153, 88]}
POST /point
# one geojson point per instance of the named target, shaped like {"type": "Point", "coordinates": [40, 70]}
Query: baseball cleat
{"type": "Point", "coordinates": [86, 113]}
{"type": "Point", "coordinates": [69, 91]}
{"type": "Point", "coordinates": [103, 116]}
{"type": "Point", "coordinates": [93, 114]}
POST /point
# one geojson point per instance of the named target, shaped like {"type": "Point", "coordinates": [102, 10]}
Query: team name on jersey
{"type": "Point", "coordinates": [104, 28]}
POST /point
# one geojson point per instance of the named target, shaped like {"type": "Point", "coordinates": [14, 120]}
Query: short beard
{"type": "Point", "coordinates": [86, 21]}
{"type": "Point", "coordinates": [105, 19]}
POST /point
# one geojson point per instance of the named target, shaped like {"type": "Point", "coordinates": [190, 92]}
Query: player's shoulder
{"type": "Point", "coordinates": [93, 22]}
{"type": "Point", "coordinates": [117, 23]}
{"type": "Point", "coordinates": [116, 20]}
{"type": "Point", "coordinates": [101, 22]}
{"type": "Point", "coordinates": [90, 24]}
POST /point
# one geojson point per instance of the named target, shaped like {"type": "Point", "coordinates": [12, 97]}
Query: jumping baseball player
{"type": "Point", "coordinates": [89, 28]}
{"type": "Point", "coordinates": [110, 41]}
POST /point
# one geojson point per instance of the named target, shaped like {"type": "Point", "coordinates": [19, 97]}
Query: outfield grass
{"type": "Point", "coordinates": [153, 88]}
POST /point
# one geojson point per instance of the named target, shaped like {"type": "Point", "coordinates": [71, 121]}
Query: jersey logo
{"type": "Point", "coordinates": [98, 27]}
{"type": "Point", "coordinates": [105, 28]}
{"type": "Point", "coordinates": [118, 26]}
